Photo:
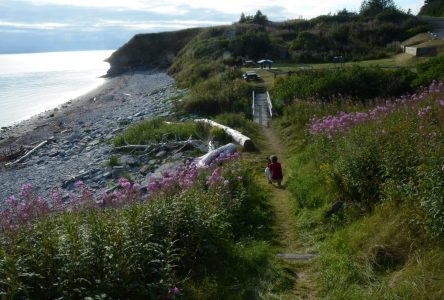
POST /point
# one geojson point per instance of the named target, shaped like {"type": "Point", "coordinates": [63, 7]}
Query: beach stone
{"type": "Point", "coordinates": [94, 142]}
{"type": "Point", "coordinates": [124, 121]}
{"type": "Point", "coordinates": [117, 171]}
{"type": "Point", "coordinates": [129, 161]}
{"type": "Point", "coordinates": [177, 156]}
{"type": "Point", "coordinates": [74, 137]}
{"type": "Point", "coordinates": [53, 154]}
{"type": "Point", "coordinates": [145, 170]}
{"type": "Point", "coordinates": [161, 154]}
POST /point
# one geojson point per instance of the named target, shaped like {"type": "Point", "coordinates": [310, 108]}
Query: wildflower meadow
{"type": "Point", "coordinates": [135, 242]}
{"type": "Point", "coordinates": [382, 163]}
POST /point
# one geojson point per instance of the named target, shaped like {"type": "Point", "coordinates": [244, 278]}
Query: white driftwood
{"type": "Point", "coordinates": [168, 145]}
{"type": "Point", "coordinates": [238, 137]}
{"type": "Point", "coordinates": [206, 159]}
{"type": "Point", "coordinates": [27, 154]}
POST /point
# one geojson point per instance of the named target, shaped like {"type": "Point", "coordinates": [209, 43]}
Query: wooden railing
{"type": "Point", "coordinates": [270, 106]}
{"type": "Point", "coordinates": [252, 105]}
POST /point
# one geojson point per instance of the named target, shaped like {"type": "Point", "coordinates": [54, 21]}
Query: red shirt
{"type": "Point", "coordinates": [276, 170]}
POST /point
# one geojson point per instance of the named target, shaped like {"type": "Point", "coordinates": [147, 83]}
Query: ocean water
{"type": "Point", "coordinates": [35, 82]}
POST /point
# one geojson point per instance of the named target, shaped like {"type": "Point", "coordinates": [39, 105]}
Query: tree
{"type": "Point", "coordinates": [242, 18]}
{"type": "Point", "coordinates": [260, 18]}
{"type": "Point", "coordinates": [371, 8]}
{"type": "Point", "coordinates": [433, 8]}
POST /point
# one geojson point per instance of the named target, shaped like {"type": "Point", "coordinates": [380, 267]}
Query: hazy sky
{"type": "Point", "coordinates": [50, 25]}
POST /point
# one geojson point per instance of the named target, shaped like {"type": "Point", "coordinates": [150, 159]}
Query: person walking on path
{"type": "Point", "coordinates": [276, 170]}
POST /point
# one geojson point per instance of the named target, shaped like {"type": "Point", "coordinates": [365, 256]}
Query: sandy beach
{"type": "Point", "coordinates": [79, 134]}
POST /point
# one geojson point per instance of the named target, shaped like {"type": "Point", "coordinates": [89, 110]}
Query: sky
{"type": "Point", "coordinates": [60, 25]}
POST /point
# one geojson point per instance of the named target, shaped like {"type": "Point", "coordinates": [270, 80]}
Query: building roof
{"type": "Point", "coordinates": [264, 61]}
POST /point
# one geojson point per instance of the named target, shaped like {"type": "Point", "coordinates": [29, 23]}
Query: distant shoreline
{"type": "Point", "coordinates": [79, 132]}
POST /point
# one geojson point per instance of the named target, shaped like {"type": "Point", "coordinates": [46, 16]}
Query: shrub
{"type": "Point", "coordinates": [217, 95]}
{"type": "Point", "coordinates": [219, 135]}
{"type": "Point", "coordinates": [428, 71]}
{"type": "Point", "coordinates": [356, 82]}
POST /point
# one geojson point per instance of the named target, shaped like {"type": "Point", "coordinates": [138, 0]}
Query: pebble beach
{"type": "Point", "coordinates": [79, 135]}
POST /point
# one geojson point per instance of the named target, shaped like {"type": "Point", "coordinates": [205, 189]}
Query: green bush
{"type": "Point", "coordinates": [219, 135]}
{"type": "Point", "coordinates": [428, 71]}
{"type": "Point", "coordinates": [240, 122]}
{"type": "Point", "coordinates": [218, 94]}
{"type": "Point", "coordinates": [356, 82]}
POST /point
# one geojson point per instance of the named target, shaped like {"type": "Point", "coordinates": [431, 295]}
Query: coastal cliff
{"type": "Point", "coordinates": [149, 51]}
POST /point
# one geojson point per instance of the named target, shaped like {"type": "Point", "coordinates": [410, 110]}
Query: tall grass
{"type": "Point", "coordinates": [217, 95]}
{"type": "Point", "coordinates": [158, 129]}
{"type": "Point", "coordinates": [385, 162]}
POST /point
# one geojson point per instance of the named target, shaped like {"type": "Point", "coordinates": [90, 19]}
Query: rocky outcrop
{"type": "Point", "coordinates": [149, 51]}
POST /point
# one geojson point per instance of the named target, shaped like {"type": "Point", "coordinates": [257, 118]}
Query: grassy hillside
{"type": "Point", "coordinates": [199, 53]}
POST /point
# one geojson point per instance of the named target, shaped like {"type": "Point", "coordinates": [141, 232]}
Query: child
{"type": "Point", "coordinates": [276, 170]}
{"type": "Point", "coordinates": [267, 170]}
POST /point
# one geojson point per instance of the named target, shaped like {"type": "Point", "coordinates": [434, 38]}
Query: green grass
{"type": "Point", "coordinates": [158, 129]}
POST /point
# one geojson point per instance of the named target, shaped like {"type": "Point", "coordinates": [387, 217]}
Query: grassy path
{"type": "Point", "coordinates": [284, 212]}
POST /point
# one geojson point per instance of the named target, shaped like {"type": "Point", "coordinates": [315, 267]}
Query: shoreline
{"type": "Point", "coordinates": [78, 133]}
{"type": "Point", "coordinates": [34, 122]}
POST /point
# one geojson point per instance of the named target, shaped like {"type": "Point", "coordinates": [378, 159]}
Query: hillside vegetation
{"type": "Point", "coordinates": [363, 165]}
{"type": "Point", "coordinates": [367, 181]}
{"type": "Point", "coordinates": [433, 8]}
{"type": "Point", "coordinates": [354, 36]}
{"type": "Point", "coordinates": [154, 50]}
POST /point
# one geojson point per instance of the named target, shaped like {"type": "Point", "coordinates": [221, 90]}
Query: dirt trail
{"type": "Point", "coordinates": [284, 226]}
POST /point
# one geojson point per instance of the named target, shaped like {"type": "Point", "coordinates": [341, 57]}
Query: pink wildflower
{"type": "Point", "coordinates": [137, 187]}
{"type": "Point", "coordinates": [124, 183]}
{"type": "Point", "coordinates": [26, 190]}
{"type": "Point", "coordinates": [174, 291]}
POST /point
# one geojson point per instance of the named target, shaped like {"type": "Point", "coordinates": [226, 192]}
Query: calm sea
{"type": "Point", "coordinates": [32, 83]}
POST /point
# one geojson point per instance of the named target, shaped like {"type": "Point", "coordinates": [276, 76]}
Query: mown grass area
{"type": "Point", "coordinates": [385, 164]}
{"type": "Point", "coordinates": [397, 60]}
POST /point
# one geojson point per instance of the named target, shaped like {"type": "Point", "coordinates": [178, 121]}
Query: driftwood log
{"type": "Point", "coordinates": [208, 158]}
{"type": "Point", "coordinates": [238, 137]}
{"type": "Point", "coordinates": [27, 154]}
{"type": "Point", "coordinates": [166, 145]}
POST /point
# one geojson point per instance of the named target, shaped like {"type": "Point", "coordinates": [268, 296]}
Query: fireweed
{"type": "Point", "coordinates": [32, 206]}
{"type": "Point", "coordinates": [330, 125]}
